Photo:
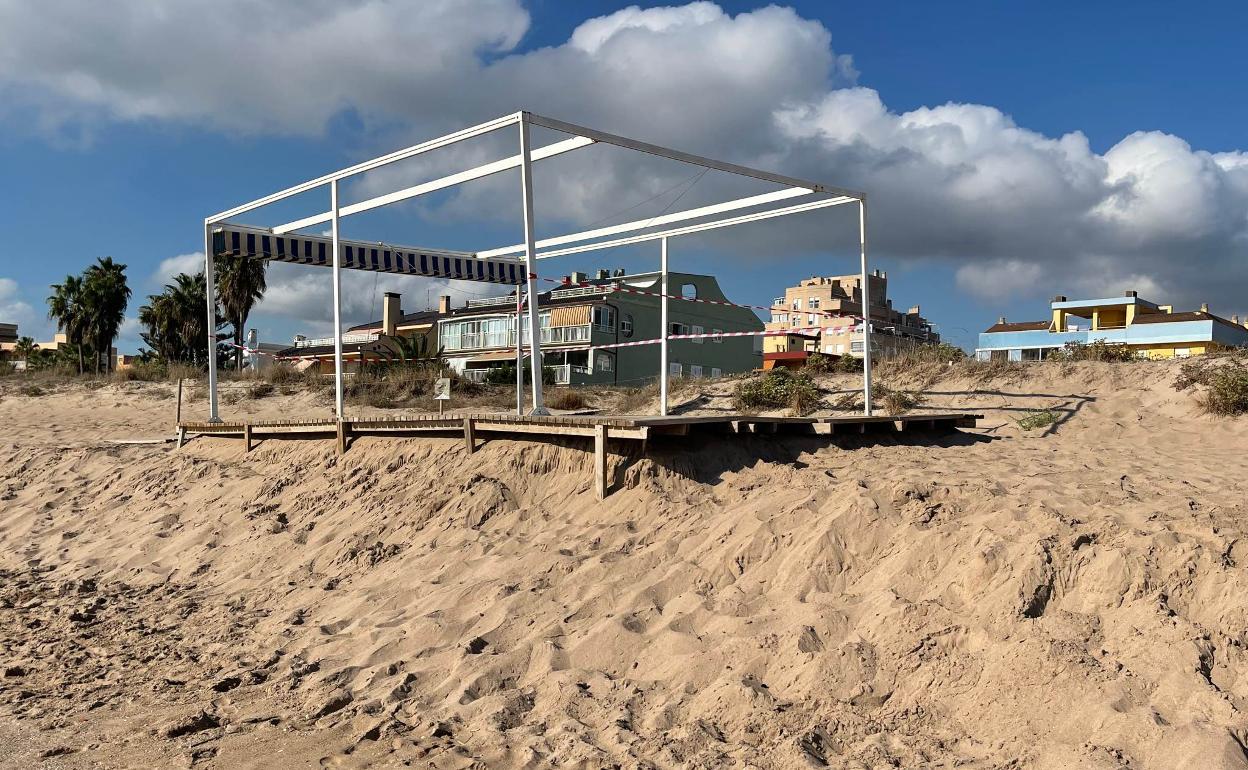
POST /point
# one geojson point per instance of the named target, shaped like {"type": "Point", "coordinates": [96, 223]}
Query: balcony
{"type": "Point", "coordinates": [347, 339]}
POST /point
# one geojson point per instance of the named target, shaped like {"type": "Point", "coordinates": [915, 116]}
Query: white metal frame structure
{"type": "Point", "coordinates": [516, 264]}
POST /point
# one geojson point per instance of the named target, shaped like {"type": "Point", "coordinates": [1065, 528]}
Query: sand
{"type": "Point", "coordinates": [1072, 597]}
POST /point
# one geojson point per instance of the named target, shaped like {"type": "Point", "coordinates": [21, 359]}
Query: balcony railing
{"type": "Point", "coordinates": [551, 335]}
{"type": "Point", "coordinates": [564, 372]}
{"type": "Point", "coordinates": [347, 339]}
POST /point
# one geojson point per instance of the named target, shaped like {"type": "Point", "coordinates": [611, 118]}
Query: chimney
{"type": "Point", "coordinates": [1060, 298]}
{"type": "Point", "coordinates": [1235, 320]}
{"type": "Point", "coordinates": [579, 278]}
{"type": "Point", "coordinates": [603, 274]}
{"type": "Point", "coordinates": [444, 304]}
{"type": "Point", "coordinates": [391, 312]}
{"type": "Point", "coordinates": [1001, 320]}
{"type": "Point", "coordinates": [1132, 293]}
{"type": "Point", "coordinates": [1204, 307]}
{"type": "Point", "coordinates": [915, 310]}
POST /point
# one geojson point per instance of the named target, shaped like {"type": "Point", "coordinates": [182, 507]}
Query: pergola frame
{"type": "Point", "coordinates": [580, 137]}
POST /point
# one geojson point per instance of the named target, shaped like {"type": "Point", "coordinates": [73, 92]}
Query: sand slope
{"type": "Point", "coordinates": [1071, 598]}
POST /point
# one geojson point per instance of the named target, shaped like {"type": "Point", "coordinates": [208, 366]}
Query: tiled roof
{"type": "Point", "coordinates": [1020, 326]}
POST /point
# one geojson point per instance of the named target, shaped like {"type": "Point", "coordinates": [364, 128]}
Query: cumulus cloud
{"type": "Point", "coordinates": [191, 264]}
{"type": "Point", "coordinates": [14, 309]}
{"type": "Point", "coordinates": [1012, 208]}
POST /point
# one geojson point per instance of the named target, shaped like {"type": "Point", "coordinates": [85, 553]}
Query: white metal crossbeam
{"type": "Point", "coordinates": [755, 217]}
{"type": "Point", "coordinates": [549, 151]}
{"type": "Point", "coordinates": [665, 219]}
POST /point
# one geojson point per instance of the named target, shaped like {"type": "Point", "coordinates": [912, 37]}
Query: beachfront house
{"type": "Point", "coordinates": [376, 341]}
{"type": "Point", "coordinates": [608, 309]}
{"type": "Point", "coordinates": [1148, 329]}
{"type": "Point", "coordinates": [829, 308]}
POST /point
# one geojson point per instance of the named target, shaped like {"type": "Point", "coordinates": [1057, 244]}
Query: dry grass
{"type": "Point", "coordinates": [566, 398]}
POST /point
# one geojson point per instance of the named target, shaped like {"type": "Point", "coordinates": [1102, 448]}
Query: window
{"type": "Point", "coordinates": [602, 361]}
{"type": "Point", "coordinates": [797, 304]}
{"type": "Point", "coordinates": [717, 372]}
{"type": "Point", "coordinates": [840, 348]}
{"type": "Point", "coordinates": [810, 318]}
{"type": "Point", "coordinates": [604, 317]}
{"type": "Point", "coordinates": [719, 335]}
{"type": "Point", "coordinates": [697, 330]}
{"type": "Point", "coordinates": [1182, 352]}
{"type": "Point", "coordinates": [695, 370]}
{"type": "Point", "coordinates": [855, 347]}
{"type": "Point", "coordinates": [689, 291]}
{"type": "Point", "coordinates": [676, 328]}
{"type": "Point", "coordinates": [675, 370]}
{"type": "Point", "coordinates": [812, 303]}
{"type": "Point", "coordinates": [626, 325]}
{"type": "Point", "coordinates": [780, 318]}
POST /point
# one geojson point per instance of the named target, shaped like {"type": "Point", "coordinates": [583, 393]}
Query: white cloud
{"type": "Point", "coordinates": [1009, 205]}
{"type": "Point", "coordinates": [14, 309]}
{"type": "Point", "coordinates": [191, 264]}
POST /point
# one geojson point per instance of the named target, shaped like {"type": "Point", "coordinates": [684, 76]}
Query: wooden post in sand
{"type": "Point", "coordinates": [470, 439]}
{"type": "Point", "coordinates": [600, 461]}
{"type": "Point", "coordinates": [177, 416]}
{"type": "Point", "coordinates": [246, 437]}
{"type": "Point", "coordinates": [341, 438]}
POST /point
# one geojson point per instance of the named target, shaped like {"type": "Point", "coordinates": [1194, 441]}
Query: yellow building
{"type": "Point", "coordinates": [1147, 329]}
{"type": "Point", "coordinates": [829, 306]}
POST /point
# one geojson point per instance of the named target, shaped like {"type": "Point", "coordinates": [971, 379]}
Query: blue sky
{"type": "Point", "coordinates": [1000, 143]}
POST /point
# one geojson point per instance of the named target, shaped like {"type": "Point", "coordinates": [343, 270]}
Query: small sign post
{"type": "Point", "coordinates": [442, 391]}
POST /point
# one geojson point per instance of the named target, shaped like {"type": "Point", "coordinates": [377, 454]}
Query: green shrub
{"type": "Point", "coordinates": [818, 363]}
{"type": "Point", "coordinates": [1100, 350]}
{"type": "Point", "coordinates": [1041, 418]}
{"type": "Point", "coordinates": [1228, 391]}
{"type": "Point", "coordinates": [31, 389]}
{"type": "Point", "coordinates": [142, 371]}
{"type": "Point", "coordinates": [777, 389]}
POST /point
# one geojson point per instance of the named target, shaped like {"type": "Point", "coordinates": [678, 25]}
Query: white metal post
{"type": "Point", "coordinates": [866, 309]}
{"type": "Point", "coordinates": [663, 325]}
{"type": "Point", "coordinates": [337, 248]}
{"type": "Point", "coordinates": [519, 353]}
{"type": "Point", "coordinates": [530, 263]}
{"type": "Point", "coordinates": [211, 293]}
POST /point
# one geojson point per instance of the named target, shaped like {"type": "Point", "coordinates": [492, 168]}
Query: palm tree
{"type": "Point", "coordinates": [240, 285]}
{"type": "Point", "coordinates": [67, 308]}
{"type": "Point", "coordinates": [107, 295]}
{"type": "Point", "coordinates": [174, 321]}
{"type": "Point", "coordinates": [24, 349]}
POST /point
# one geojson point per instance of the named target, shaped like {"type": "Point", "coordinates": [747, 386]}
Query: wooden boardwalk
{"type": "Point", "coordinates": [598, 427]}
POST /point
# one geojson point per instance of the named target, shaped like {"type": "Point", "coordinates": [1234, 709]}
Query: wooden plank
{"type": "Point", "coordinates": [341, 437]}
{"type": "Point", "coordinates": [181, 437]}
{"type": "Point", "coordinates": [469, 439]}
{"type": "Point", "coordinates": [600, 461]}
{"type": "Point", "coordinates": [246, 438]}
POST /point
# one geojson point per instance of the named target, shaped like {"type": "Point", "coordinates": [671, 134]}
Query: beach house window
{"type": "Point", "coordinates": [675, 370]}
{"type": "Point", "coordinates": [602, 361]}
{"type": "Point", "coordinates": [676, 328]}
{"type": "Point", "coordinates": [812, 303]}
{"type": "Point", "coordinates": [695, 370]}
{"type": "Point", "coordinates": [719, 335]}
{"type": "Point", "coordinates": [1182, 352]}
{"type": "Point", "coordinates": [689, 291]}
{"type": "Point", "coordinates": [797, 304]}
{"type": "Point", "coordinates": [717, 372]}
{"type": "Point", "coordinates": [626, 325]}
{"type": "Point", "coordinates": [697, 330]}
{"type": "Point", "coordinates": [810, 318]}
{"type": "Point", "coordinates": [604, 317]}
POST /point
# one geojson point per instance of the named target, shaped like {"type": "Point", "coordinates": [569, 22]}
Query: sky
{"type": "Point", "coordinates": [1009, 151]}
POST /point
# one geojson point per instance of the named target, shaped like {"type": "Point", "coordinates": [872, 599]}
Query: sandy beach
{"type": "Point", "coordinates": [1066, 597]}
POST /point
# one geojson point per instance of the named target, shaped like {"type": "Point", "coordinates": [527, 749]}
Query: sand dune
{"type": "Point", "coordinates": [1072, 597]}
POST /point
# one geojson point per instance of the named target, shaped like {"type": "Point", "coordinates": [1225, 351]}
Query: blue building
{"type": "Point", "coordinates": [1151, 330]}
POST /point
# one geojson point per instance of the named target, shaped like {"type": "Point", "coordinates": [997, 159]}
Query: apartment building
{"type": "Point", "coordinates": [827, 308]}
{"type": "Point", "coordinates": [608, 309]}
{"type": "Point", "coordinates": [1148, 329]}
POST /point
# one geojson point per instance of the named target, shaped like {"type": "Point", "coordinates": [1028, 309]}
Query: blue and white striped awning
{"type": "Point", "coordinates": [241, 241]}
